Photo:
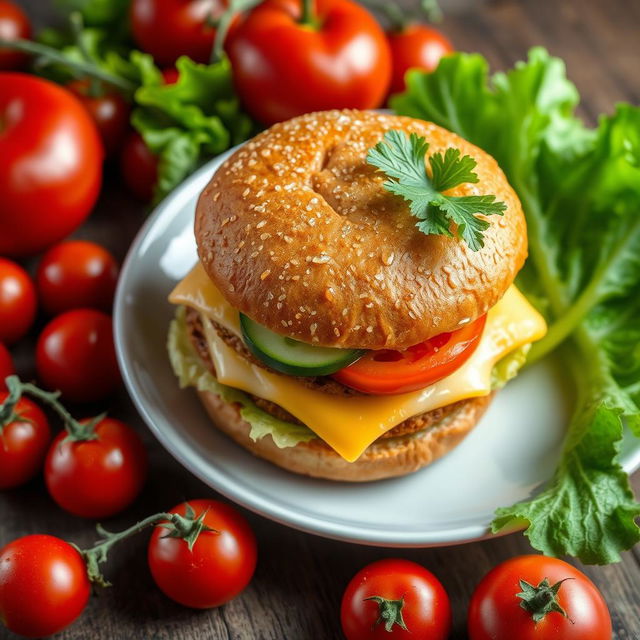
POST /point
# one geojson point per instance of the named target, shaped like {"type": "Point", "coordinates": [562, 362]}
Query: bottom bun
{"type": "Point", "coordinates": [385, 458]}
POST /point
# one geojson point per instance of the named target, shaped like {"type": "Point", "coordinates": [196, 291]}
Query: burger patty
{"type": "Point", "coordinates": [327, 385]}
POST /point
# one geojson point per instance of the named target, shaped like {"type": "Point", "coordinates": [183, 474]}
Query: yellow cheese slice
{"type": "Point", "coordinates": [350, 424]}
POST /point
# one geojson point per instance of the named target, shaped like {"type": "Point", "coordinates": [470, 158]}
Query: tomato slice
{"type": "Point", "coordinates": [387, 371]}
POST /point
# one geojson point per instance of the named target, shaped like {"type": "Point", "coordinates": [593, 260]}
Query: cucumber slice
{"type": "Point", "coordinates": [291, 356]}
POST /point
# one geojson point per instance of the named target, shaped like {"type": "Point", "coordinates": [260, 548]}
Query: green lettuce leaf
{"type": "Point", "coordinates": [191, 372]}
{"type": "Point", "coordinates": [580, 190]}
{"type": "Point", "coordinates": [197, 117]}
{"type": "Point", "coordinates": [508, 368]}
{"type": "Point", "coordinates": [97, 13]}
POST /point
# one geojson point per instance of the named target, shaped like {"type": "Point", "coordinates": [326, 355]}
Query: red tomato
{"type": "Point", "coordinates": [496, 611]}
{"type": "Point", "coordinates": [405, 591]}
{"type": "Point", "coordinates": [23, 443]}
{"type": "Point", "coordinates": [18, 301]}
{"type": "Point", "coordinates": [6, 365]}
{"type": "Point", "coordinates": [50, 164]}
{"type": "Point", "coordinates": [13, 24]}
{"type": "Point", "coordinates": [388, 371]}
{"type": "Point", "coordinates": [139, 167]}
{"type": "Point", "coordinates": [283, 68]}
{"type": "Point", "coordinates": [168, 29]}
{"type": "Point", "coordinates": [108, 110]}
{"type": "Point", "coordinates": [96, 478]}
{"type": "Point", "coordinates": [77, 274]}
{"type": "Point", "coordinates": [75, 355]}
{"type": "Point", "coordinates": [219, 566]}
{"type": "Point", "coordinates": [43, 585]}
{"type": "Point", "coordinates": [170, 75]}
{"type": "Point", "coordinates": [416, 46]}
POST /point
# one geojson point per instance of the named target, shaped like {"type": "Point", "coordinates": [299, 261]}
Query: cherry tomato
{"type": "Point", "coordinates": [50, 164]}
{"type": "Point", "coordinates": [75, 355]}
{"type": "Point", "coordinates": [6, 365]}
{"type": "Point", "coordinates": [388, 371]}
{"type": "Point", "coordinates": [406, 593]}
{"type": "Point", "coordinates": [13, 24]}
{"type": "Point", "coordinates": [168, 29]}
{"type": "Point", "coordinates": [109, 111]}
{"type": "Point", "coordinates": [23, 443]}
{"type": "Point", "coordinates": [416, 46]}
{"type": "Point", "coordinates": [219, 566]}
{"type": "Point", "coordinates": [43, 585]}
{"type": "Point", "coordinates": [170, 75]}
{"type": "Point", "coordinates": [18, 301]}
{"type": "Point", "coordinates": [96, 478]}
{"type": "Point", "coordinates": [496, 611]}
{"type": "Point", "coordinates": [76, 274]}
{"type": "Point", "coordinates": [139, 167]}
{"type": "Point", "coordinates": [343, 62]}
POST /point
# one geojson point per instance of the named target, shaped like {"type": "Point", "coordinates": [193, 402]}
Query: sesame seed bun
{"type": "Point", "coordinates": [385, 458]}
{"type": "Point", "coordinates": [298, 232]}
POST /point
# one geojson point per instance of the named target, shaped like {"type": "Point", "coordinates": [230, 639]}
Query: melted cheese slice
{"type": "Point", "coordinates": [350, 424]}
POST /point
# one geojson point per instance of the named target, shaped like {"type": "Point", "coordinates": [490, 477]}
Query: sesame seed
{"type": "Point", "coordinates": [265, 274]}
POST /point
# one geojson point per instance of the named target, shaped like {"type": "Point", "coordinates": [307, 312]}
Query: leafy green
{"type": "Point", "coordinates": [198, 116]}
{"type": "Point", "coordinates": [508, 368]}
{"type": "Point", "coordinates": [192, 373]}
{"type": "Point", "coordinates": [97, 13]}
{"type": "Point", "coordinates": [580, 190]}
{"type": "Point", "coordinates": [403, 160]}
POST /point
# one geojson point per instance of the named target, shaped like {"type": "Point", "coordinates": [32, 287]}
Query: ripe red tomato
{"type": "Point", "coordinates": [23, 443]}
{"type": "Point", "coordinates": [109, 110]}
{"type": "Point", "coordinates": [416, 46]}
{"type": "Point", "coordinates": [406, 593]}
{"type": "Point", "coordinates": [43, 585]}
{"type": "Point", "coordinates": [387, 371]}
{"type": "Point", "coordinates": [75, 355]}
{"type": "Point", "coordinates": [76, 274]}
{"type": "Point", "coordinates": [6, 365]}
{"type": "Point", "coordinates": [168, 29]}
{"type": "Point", "coordinates": [50, 164]}
{"type": "Point", "coordinates": [343, 62]}
{"type": "Point", "coordinates": [13, 24]}
{"type": "Point", "coordinates": [170, 75]}
{"type": "Point", "coordinates": [219, 566]}
{"type": "Point", "coordinates": [96, 478]}
{"type": "Point", "coordinates": [496, 610]}
{"type": "Point", "coordinates": [139, 167]}
{"type": "Point", "coordinates": [18, 301]}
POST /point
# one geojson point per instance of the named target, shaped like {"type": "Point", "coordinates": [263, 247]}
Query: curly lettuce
{"type": "Point", "coordinates": [580, 190]}
{"type": "Point", "coordinates": [191, 372]}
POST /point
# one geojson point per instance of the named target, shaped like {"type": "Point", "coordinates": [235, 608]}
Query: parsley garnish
{"type": "Point", "coordinates": [401, 158]}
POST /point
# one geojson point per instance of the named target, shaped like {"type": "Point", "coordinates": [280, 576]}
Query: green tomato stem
{"type": "Point", "coordinates": [224, 23]}
{"type": "Point", "coordinates": [77, 432]}
{"type": "Point", "coordinates": [308, 17]}
{"type": "Point", "coordinates": [89, 69]}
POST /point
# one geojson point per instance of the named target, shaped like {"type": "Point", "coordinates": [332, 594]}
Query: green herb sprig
{"type": "Point", "coordinates": [402, 159]}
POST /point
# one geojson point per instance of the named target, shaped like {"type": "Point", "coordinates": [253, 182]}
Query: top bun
{"type": "Point", "coordinates": [298, 233]}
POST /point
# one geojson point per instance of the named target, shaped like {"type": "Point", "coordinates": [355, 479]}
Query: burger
{"type": "Point", "coordinates": [352, 312]}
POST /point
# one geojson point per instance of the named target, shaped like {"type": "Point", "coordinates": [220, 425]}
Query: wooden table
{"type": "Point", "coordinates": [296, 591]}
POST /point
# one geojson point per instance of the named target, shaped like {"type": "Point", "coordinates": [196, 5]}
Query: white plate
{"type": "Point", "coordinates": [505, 458]}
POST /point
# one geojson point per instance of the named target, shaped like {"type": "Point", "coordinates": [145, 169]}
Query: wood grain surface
{"type": "Point", "coordinates": [296, 591]}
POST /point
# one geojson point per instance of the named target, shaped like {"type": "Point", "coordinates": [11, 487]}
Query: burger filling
{"type": "Point", "coordinates": [368, 396]}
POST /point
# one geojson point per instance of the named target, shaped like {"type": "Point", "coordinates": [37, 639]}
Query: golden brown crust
{"type": "Point", "coordinates": [385, 458]}
{"type": "Point", "coordinates": [298, 232]}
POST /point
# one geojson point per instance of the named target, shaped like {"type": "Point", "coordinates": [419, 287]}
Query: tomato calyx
{"type": "Point", "coordinates": [76, 431]}
{"type": "Point", "coordinates": [187, 527]}
{"type": "Point", "coordinates": [389, 612]}
{"type": "Point", "coordinates": [223, 24]}
{"type": "Point", "coordinates": [8, 413]}
{"type": "Point", "coordinates": [541, 600]}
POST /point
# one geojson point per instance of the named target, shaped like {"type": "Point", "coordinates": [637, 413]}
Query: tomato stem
{"type": "Point", "coordinates": [89, 69]}
{"type": "Point", "coordinates": [77, 25]}
{"type": "Point", "coordinates": [308, 17]}
{"type": "Point", "coordinates": [77, 432]}
{"type": "Point", "coordinates": [187, 528]}
{"type": "Point", "coordinates": [399, 20]}
{"type": "Point", "coordinates": [389, 612]}
{"type": "Point", "coordinates": [541, 600]}
{"type": "Point", "coordinates": [224, 23]}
